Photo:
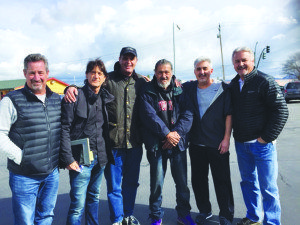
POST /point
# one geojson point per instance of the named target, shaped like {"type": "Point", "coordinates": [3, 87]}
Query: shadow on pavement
{"type": "Point", "coordinates": [61, 210]}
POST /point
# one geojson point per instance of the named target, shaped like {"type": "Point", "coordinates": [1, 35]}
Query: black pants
{"type": "Point", "coordinates": [201, 158]}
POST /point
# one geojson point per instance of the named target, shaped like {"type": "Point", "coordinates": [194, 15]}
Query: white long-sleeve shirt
{"type": "Point", "coordinates": [8, 116]}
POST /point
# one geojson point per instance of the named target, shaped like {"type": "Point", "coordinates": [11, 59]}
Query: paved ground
{"type": "Point", "coordinates": [288, 146]}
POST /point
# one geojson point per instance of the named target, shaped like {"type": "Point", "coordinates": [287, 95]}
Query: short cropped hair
{"type": "Point", "coordinates": [202, 59]}
{"type": "Point", "coordinates": [242, 49]}
{"type": "Point", "coordinates": [35, 58]}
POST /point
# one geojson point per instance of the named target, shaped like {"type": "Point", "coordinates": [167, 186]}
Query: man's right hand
{"type": "Point", "coordinates": [171, 140]}
{"type": "Point", "coordinates": [73, 166]}
{"type": "Point", "coordinates": [70, 95]}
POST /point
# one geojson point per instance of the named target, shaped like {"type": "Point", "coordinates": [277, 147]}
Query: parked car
{"type": "Point", "coordinates": [292, 91]}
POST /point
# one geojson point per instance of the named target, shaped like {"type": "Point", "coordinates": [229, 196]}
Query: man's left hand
{"type": "Point", "coordinates": [260, 140]}
{"type": "Point", "coordinates": [224, 146]}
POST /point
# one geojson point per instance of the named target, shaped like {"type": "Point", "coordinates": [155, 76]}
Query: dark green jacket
{"type": "Point", "coordinates": [124, 123]}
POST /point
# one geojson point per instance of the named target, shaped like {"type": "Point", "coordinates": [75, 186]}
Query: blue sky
{"type": "Point", "coordinates": [71, 32]}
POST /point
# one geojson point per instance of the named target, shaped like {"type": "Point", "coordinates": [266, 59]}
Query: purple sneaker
{"type": "Point", "coordinates": [188, 220]}
{"type": "Point", "coordinates": [156, 222]}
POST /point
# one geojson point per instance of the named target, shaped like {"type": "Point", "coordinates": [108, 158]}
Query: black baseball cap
{"type": "Point", "coordinates": [128, 50]}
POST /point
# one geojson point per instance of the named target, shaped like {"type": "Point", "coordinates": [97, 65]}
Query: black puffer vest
{"type": "Point", "coordinates": [36, 132]}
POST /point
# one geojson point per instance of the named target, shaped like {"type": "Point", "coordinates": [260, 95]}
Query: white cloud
{"type": "Point", "coordinates": [70, 32]}
{"type": "Point", "coordinates": [287, 20]}
{"type": "Point", "coordinates": [279, 37]}
{"type": "Point", "coordinates": [137, 5]}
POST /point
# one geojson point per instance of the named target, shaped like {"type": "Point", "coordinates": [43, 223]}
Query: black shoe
{"type": "Point", "coordinates": [224, 221]}
{"type": "Point", "coordinates": [130, 220]}
{"type": "Point", "coordinates": [200, 219]}
{"type": "Point", "coordinates": [246, 221]}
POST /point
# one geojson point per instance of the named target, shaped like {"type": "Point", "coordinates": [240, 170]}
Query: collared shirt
{"type": "Point", "coordinates": [241, 84]}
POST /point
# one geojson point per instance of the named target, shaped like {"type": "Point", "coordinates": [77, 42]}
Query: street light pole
{"type": "Point", "coordinates": [219, 36]}
{"type": "Point", "coordinates": [263, 54]}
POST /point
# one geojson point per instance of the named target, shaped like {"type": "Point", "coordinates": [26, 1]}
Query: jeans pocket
{"type": "Point", "coordinates": [263, 144]}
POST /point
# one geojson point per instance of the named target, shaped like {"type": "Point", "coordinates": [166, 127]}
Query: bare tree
{"type": "Point", "coordinates": [292, 66]}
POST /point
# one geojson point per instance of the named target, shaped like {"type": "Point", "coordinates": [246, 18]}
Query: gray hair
{"type": "Point", "coordinates": [35, 58]}
{"type": "Point", "coordinates": [163, 62]}
{"type": "Point", "coordinates": [202, 59]}
{"type": "Point", "coordinates": [243, 49]}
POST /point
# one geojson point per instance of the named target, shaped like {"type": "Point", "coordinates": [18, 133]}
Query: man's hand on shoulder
{"type": "Point", "coordinates": [146, 78]}
{"type": "Point", "coordinates": [70, 95]}
{"type": "Point", "coordinates": [177, 83]}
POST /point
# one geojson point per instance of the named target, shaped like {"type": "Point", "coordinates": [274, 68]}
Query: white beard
{"type": "Point", "coordinates": [164, 85]}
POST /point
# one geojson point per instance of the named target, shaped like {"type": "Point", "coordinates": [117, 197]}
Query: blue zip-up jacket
{"type": "Point", "coordinates": [154, 129]}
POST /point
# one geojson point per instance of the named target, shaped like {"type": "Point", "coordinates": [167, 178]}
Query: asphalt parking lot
{"type": "Point", "coordinates": [288, 147]}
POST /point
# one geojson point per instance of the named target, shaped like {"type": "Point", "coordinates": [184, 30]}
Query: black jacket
{"type": "Point", "coordinates": [36, 132]}
{"type": "Point", "coordinates": [210, 129]}
{"type": "Point", "coordinates": [75, 126]}
{"type": "Point", "coordinates": [259, 110]}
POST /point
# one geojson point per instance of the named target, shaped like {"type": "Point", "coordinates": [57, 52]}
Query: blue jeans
{"type": "Point", "coordinates": [259, 170]}
{"type": "Point", "coordinates": [122, 182]}
{"type": "Point", "coordinates": [158, 167]}
{"type": "Point", "coordinates": [34, 198]}
{"type": "Point", "coordinates": [85, 194]}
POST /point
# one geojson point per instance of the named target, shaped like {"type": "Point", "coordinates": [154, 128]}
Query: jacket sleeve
{"type": "Point", "coordinates": [67, 117]}
{"type": "Point", "coordinates": [185, 119]}
{"type": "Point", "coordinates": [8, 117]}
{"type": "Point", "coordinates": [277, 111]}
{"type": "Point", "coordinates": [149, 118]}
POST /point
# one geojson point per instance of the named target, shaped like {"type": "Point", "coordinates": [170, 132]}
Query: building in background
{"type": "Point", "coordinates": [54, 84]}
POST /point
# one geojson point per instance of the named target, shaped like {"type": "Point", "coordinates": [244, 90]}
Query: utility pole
{"type": "Point", "coordinates": [255, 53]}
{"type": "Point", "coordinates": [174, 48]}
{"type": "Point", "coordinates": [219, 36]}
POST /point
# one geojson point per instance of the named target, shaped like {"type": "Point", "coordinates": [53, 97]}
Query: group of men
{"type": "Point", "coordinates": [119, 111]}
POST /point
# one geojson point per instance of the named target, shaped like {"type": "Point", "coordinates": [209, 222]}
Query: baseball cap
{"type": "Point", "coordinates": [128, 50]}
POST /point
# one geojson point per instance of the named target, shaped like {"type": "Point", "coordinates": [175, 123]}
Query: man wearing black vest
{"type": "Point", "coordinates": [30, 137]}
